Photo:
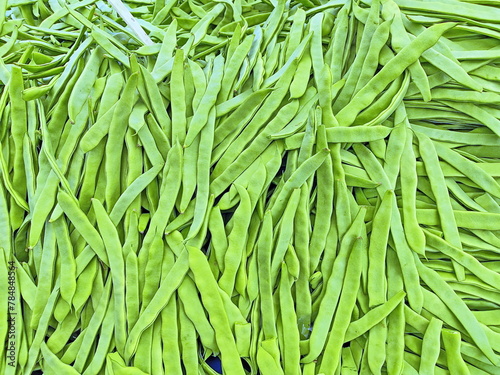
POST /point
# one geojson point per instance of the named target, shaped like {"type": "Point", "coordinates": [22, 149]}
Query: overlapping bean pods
{"type": "Point", "coordinates": [250, 187]}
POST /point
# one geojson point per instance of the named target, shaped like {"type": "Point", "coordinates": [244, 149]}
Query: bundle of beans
{"type": "Point", "coordinates": [300, 187]}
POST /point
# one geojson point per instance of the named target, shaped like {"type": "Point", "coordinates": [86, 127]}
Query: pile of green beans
{"type": "Point", "coordinates": [284, 187]}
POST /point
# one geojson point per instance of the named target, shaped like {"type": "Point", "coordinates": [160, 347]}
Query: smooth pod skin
{"type": "Point", "coordinates": [19, 120]}
{"type": "Point", "coordinates": [436, 178]}
{"type": "Point", "coordinates": [200, 117]}
{"type": "Point", "coordinates": [463, 314]}
{"type": "Point", "coordinates": [353, 273]}
{"type": "Point", "coordinates": [409, 183]}
{"type": "Point", "coordinates": [377, 251]}
{"type": "Point", "coordinates": [371, 24]}
{"type": "Point", "coordinates": [452, 341]}
{"type": "Point", "coordinates": [86, 229]}
{"type": "Point", "coordinates": [179, 123]}
{"type": "Point", "coordinates": [84, 84]}
{"type": "Point", "coordinates": [326, 196]}
{"type": "Point", "coordinates": [333, 291]}
{"type": "Point", "coordinates": [175, 275]}
{"type": "Point", "coordinates": [393, 69]}
{"type": "Point", "coordinates": [373, 317]}
{"type": "Point", "coordinates": [226, 344]}
{"type": "Point", "coordinates": [274, 187]}
{"type": "Point", "coordinates": [68, 280]}
{"type": "Point", "coordinates": [430, 347]}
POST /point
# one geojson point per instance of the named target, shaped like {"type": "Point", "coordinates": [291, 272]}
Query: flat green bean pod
{"type": "Point", "coordinates": [267, 187]}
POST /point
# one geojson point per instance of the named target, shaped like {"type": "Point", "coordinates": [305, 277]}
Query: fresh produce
{"type": "Point", "coordinates": [301, 187]}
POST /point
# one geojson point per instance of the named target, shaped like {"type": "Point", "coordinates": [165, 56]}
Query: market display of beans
{"type": "Point", "coordinates": [250, 187]}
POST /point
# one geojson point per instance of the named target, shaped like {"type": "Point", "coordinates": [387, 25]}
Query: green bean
{"type": "Point", "coordinates": [306, 102]}
{"type": "Point", "coordinates": [256, 170]}
{"type": "Point", "coordinates": [450, 66]}
{"type": "Point", "coordinates": [388, 102]}
{"type": "Point", "coordinates": [459, 309]}
{"type": "Point", "coordinates": [333, 290]}
{"type": "Point", "coordinates": [156, 102]}
{"type": "Point", "coordinates": [132, 191]}
{"type": "Point", "coordinates": [373, 317]}
{"type": "Point", "coordinates": [68, 280]}
{"type": "Point", "coordinates": [179, 124]}
{"type": "Point", "coordinates": [301, 240]}
{"type": "Point", "coordinates": [194, 311]}
{"type": "Point", "coordinates": [171, 355]}
{"type": "Point", "coordinates": [142, 359]}
{"type": "Point", "coordinates": [157, 303]}
{"type": "Point", "coordinates": [205, 283]}
{"type": "Point", "coordinates": [83, 86]}
{"type": "Point", "coordinates": [376, 347]}
{"type": "Point", "coordinates": [84, 289]}
{"type": "Point", "coordinates": [16, 198]}
{"type": "Point", "coordinates": [239, 117]}
{"type": "Point", "coordinates": [161, 11]}
{"type": "Point", "coordinates": [283, 117]}
{"type": "Point", "coordinates": [19, 120]}
{"type": "Point", "coordinates": [152, 273]}
{"type": "Point", "coordinates": [53, 362]}
{"type": "Point", "coordinates": [345, 305]}
{"type": "Point", "coordinates": [404, 252]}
{"type": "Point", "coordinates": [285, 234]}
{"type": "Point", "coordinates": [478, 12]}
{"type": "Point", "coordinates": [270, 104]}
{"type": "Point", "coordinates": [307, 145]}
{"type": "Point", "coordinates": [114, 363]}
{"type": "Point", "coordinates": [219, 241]}
{"type": "Point", "coordinates": [109, 45]}
{"type": "Point", "coordinates": [477, 175]}
{"type": "Point", "coordinates": [232, 68]}
{"type": "Point", "coordinates": [203, 176]}
{"type": "Point", "coordinates": [83, 225]}
{"type": "Point", "coordinates": [353, 134]}
{"type": "Point", "coordinates": [379, 39]}
{"type": "Point", "coordinates": [299, 83]}
{"type": "Point", "coordinates": [46, 267]}
{"type": "Point", "coordinates": [377, 250]}
{"type": "Point", "coordinates": [40, 332]}
{"type": "Point", "coordinates": [430, 346]}
{"type": "Point", "coordinates": [370, 27]}
{"type": "Point", "coordinates": [391, 70]}
{"type": "Point", "coordinates": [468, 261]}
{"type": "Point", "coordinates": [451, 340]}
{"type": "Point", "coordinates": [265, 358]}
{"type": "Point", "coordinates": [132, 297]}
{"type": "Point", "coordinates": [409, 186]}
{"type": "Point", "coordinates": [19, 125]}
{"type": "Point", "coordinates": [396, 319]}
{"type": "Point", "coordinates": [170, 188]}
{"type": "Point", "coordinates": [201, 115]}
{"type": "Point", "coordinates": [297, 179]}
{"type": "Point", "coordinates": [324, 211]}
{"type": "Point", "coordinates": [159, 135]}
{"type": "Point", "coordinates": [264, 249]}
{"type": "Point", "coordinates": [188, 339]}
{"type": "Point", "coordinates": [91, 330]}
{"type": "Point", "coordinates": [291, 334]}
{"type": "Point", "coordinates": [117, 266]}
{"type": "Point", "coordinates": [429, 155]}
{"type": "Point", "coordinates": [340, 37]}
{"type": "Point", "coordinates": [104, 341]}
{"type": "Point", "coordinates": [114, 145]}
{"type": "Point", "coordinates": [235, 247]}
